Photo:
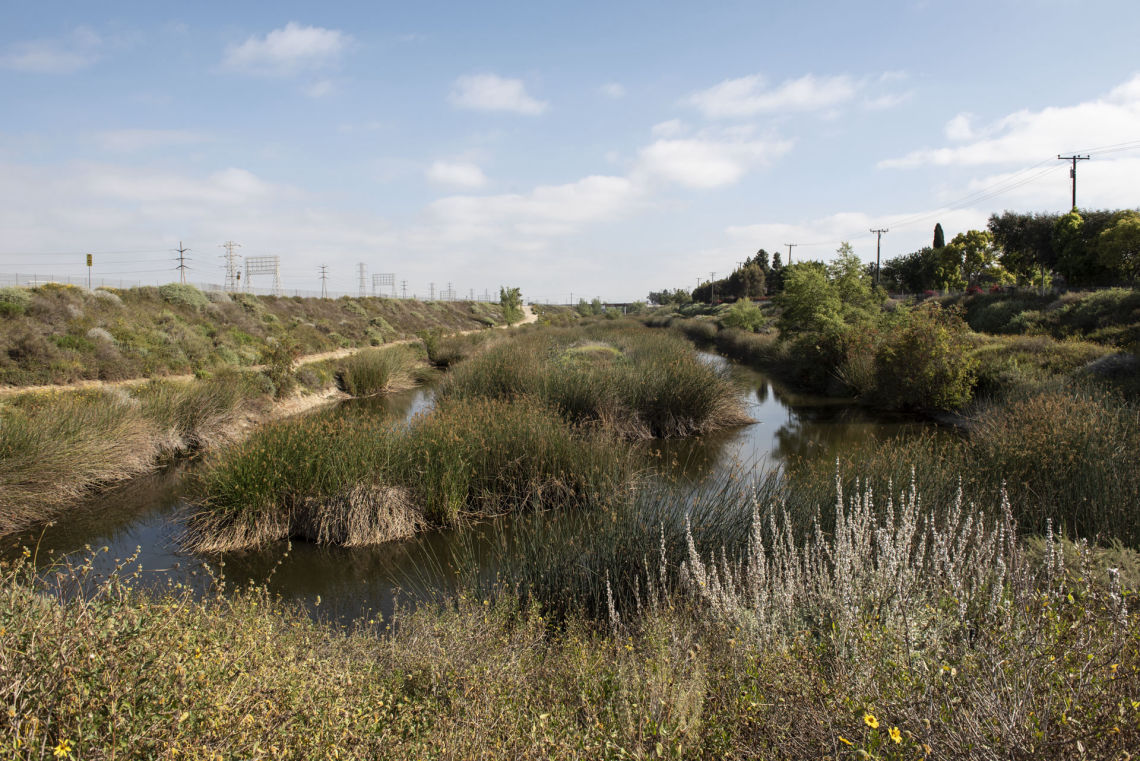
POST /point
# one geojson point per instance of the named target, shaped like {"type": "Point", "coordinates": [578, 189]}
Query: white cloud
{"type": "Point", "coordinates": [490, 92]}
{"type": "Point", "coordinates": [613, 90]}
{"type": "Point", "coordinates": [288, 50]}
{"type": "Point", "coordinates": [708, 159]}
{"type": "Point", "coordinates": [457, 174]}
{"type": "Point", "coordinates": [63, 56]}
{"type": "Point", "coordinates": [885, 101]}
{"type": "Point", "coordinates": [547, 211]}
{"type": "Point", "coordinates": [748, 96]}
{"type": "Point", "coordinates": [131, 140]}
{"type": "Point", "coordinates": [960, 128]}
{"type": "Point", "coordinates": [1025, 136]}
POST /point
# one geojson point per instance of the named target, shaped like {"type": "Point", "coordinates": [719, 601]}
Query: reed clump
{"type": "Point", "coordinates": [346, 479]}
{"type": "Point", "coordinates": [619, 377]}
{"type": "Point", "coordinates": [377, 371]}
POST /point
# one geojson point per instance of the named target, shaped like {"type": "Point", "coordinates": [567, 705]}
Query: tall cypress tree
{"type": "Point", "coordinates": [939, 237]}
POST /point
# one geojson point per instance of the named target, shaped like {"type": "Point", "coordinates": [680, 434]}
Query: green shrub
{"type": "Point", "coordinates": [14, 301]}
{"type": "Point", "coordinates": [280, 358]}
{"type": "Point", "coordinates": [922, 361]}
{"type": "Point", "coordinates": [184, 295]}
{"type": "Point", "coordinates": [743, 315]}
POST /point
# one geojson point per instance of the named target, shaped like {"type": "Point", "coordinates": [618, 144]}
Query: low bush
{"type": "Point", "coordinates": [184, 295]}
{"type": "Point", "coordinates": [743, 315]}
{"type": "Point", "coordinates": [14, 301]}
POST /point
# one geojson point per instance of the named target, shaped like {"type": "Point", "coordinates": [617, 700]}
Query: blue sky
{"type": "Point", "coordinates": [595, 148]}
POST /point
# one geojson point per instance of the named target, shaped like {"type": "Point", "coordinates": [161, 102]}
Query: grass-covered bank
{"type": "Point", "coordinates": [350, 479]}
{"type": "Point", "coordinates": [889, 637]}
{"type": "Point", "coordinates": [55, 447]}
{"type": "Point", "coordinates": [60, 334]}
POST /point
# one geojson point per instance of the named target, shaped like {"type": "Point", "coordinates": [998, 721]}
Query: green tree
{"type": "Point", "coordinates": [976, 251]}
{"type": "Point", "coordinates": [809, 302]}
{"type": "Point", "coordinates": [1025, 242]}
{"type": "Point", "coordinates": [939, 236]}
{"type": "Point", "coordinates": [1118, 247]}
{"type": "Point", "coordinates": [850, 280]}
{"type": "Point", "coordinates": [596, 307]}
{"type": "Point", "coordinates": [743, 315]}
{"type": "Point", "coordinates": [510, 299]}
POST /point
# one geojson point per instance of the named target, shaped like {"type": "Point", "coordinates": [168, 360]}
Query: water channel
{"type": "Point", "coordinates": [140, 520]}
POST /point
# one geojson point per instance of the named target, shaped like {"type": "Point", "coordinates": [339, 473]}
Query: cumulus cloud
{"type": "Point", "coordinates": [456, 174]}
{"type": "Point", "coordinates": [54, 56]}
{"type": "Point", "coordinates": [613, 90]}
{"type": "Point", "coordinates": [288, 50]}
{"type": "Point", "coordinates": [490, 92]}
{"type": "Point", "coordinates": [749, 96]}
{"type": "Point", "coordinates": [708, 159]}
{"type": "Point", "coordinates": [1026, 135]}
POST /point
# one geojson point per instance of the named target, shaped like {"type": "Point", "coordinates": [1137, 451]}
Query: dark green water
{"type": "Point", "coordinates": [141, 520]}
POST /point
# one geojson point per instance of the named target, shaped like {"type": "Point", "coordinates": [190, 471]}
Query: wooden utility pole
{"type": "Point", "coordinates": [1072, 173]}
{"type": "Point", "coordinates": [878, 247]}
{"type": "Point", "coordinates": [790, 247]}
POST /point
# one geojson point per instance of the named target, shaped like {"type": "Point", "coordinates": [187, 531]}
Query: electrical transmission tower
{"type": "Point", "coordinates": [404, 288]}
{"type": "Point", "coordinates": [264, 265]}
{"type": "Point", "coordinates": [432, 296]}
{"type": "Point", "coordinates": [233, 274]}
{"type": "Point", "coordinates": [324, 281]}
{"type": "Point", "coordinates": [878, 245]}
{"type": "Point", "coordinates": [384, 280]}
{"type": "Point", "coordinates": [182, 261]}
{"type": "Point", "coordinates": [1073, 171]}
{"type": "Point", "coordinates": [362, 292]}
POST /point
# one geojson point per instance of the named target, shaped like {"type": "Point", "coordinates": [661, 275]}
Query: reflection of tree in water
{"type": "Point", "coordinates": [762, 391]}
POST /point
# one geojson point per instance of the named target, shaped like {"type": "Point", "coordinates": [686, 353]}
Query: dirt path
{"type": "Point", "coordinates": [528, 317]}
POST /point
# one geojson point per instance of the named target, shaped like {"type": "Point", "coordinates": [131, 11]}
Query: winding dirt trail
{"type": "Point", "coordinates": [528, 317]}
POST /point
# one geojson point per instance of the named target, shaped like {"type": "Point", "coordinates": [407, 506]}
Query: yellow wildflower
{"type": "Point", "coordinates": [870, 720]}
{"type": "Point", "coordinates": [844, 740]}
{"type": "Point", "coordinates": [62, 750]}
{"type": "Point", "coordinates": [895, 734]}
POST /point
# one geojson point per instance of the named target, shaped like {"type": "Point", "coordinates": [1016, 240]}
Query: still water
{"type": "Point", "coordinates": [140, 521]}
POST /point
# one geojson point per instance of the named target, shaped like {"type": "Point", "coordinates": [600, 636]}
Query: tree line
{"type": "Point", "coordinates": [1083, 248]}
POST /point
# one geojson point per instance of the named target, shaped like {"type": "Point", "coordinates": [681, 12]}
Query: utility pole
{"type": "Point", "coordinates": [450, 292]}
{"type": "Point", "coordinates": [1072, 173]}
{"type": "Point", "coordinates": [712, 287]}
{"type": "Point", "coordinates": [878, 244]}
{"type": "Point", "coordinates": [790, 247]}
{"type": "Point", "coordinates": [571, 298]}
{"type": "Point", "coordinates": [182, 261]}
{"type": "Point", "coordinates": [363, 289]}
{"type": "Point", "coordinates": [324, 281]}
{"type": "Point", "coordinates": [233, 276]}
